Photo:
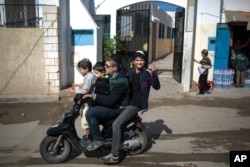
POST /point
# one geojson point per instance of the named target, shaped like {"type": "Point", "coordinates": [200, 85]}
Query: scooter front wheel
{"type": "Point", "coordinates": [53, 152]}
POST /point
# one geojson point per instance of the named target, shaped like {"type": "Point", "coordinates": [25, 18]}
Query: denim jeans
{"type": "Point", "coordinates": [98, 113]}
{"type": "Point", "coordinates": [125, 116]}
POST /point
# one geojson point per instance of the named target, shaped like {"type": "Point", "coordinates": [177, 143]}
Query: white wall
{"type": "Point", "coordinates": [208, 15]}
{"type": "Point", "coordinates": [240, 5]}
{"type": "Point", "coordinates": [81, 19]}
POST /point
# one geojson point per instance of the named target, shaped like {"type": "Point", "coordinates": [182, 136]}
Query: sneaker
{"type": "Point", "coordinates": [94, 145]}
{"type": "Point", "coordinates": [209, 90]}
{"type": "Point", "coordinates": [85, 141]}
{"type": "Point", "coordinates": [110, 159]}
{"type": "Point", "coordinates": [199, 94]}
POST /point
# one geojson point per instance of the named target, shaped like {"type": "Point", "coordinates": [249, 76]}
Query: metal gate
{"type": "Point", "coordinates": [178, 44]}
{"type": "Point", "coordinates": [133, 24]}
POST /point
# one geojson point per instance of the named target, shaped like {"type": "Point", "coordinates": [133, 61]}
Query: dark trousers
{"type": "Point", "coordinates": [240, 78]}
{"type": "Point", "coordinates": [203, 83]}
{"type": "Point", "coordinates": [96, 113]}
{"type": "Point", "coordinates": [125, 116]}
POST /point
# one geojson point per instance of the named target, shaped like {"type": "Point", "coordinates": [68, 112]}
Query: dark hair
{"type": "Point", "coordinates": [205, 52]}
{"type": "Point", "coordinates": [84, 64]}
{"type": "Point", "coordinates": [99, 66]}
{"type": "Point", "coordinates": [116, 60]}
{"type": "Point", "coordinates": [140, 54]}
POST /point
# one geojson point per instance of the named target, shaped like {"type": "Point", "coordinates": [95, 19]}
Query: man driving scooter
{"type": "Point", "coordinates": [108, 106]}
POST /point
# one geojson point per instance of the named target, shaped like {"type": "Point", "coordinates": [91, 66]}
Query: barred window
{"type": "Point", "coordinates": [161, 30]}
{"type": "Point", "coordinates": [17, 14]}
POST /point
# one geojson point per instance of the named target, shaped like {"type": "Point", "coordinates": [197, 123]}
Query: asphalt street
{"type": "Point", "coordinates": [175, 130]}
{"type": "Point", "coordinates": [179, 130]}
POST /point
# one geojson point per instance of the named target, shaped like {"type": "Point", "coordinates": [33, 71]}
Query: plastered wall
{"type": "Point", "coordinates": [22, 62]}
{"type": "Point", "coordinates": [30, 59]}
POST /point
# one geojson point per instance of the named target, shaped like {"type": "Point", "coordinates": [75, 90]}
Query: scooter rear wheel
{"type": "Point", "coordinates": [52, 155]}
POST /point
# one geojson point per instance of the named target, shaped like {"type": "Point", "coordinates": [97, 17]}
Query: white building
{"type": "Point", "coordinates": [79, 32]}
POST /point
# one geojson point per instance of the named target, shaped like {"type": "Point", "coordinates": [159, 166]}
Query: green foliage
{"type": "Point", "coordinates": [111, 46]}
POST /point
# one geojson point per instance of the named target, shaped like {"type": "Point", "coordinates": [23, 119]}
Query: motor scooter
{"type": "Point", "coordinates": [62, 138]}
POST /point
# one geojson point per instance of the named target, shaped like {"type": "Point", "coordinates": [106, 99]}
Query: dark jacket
{"type": "Point", "coordinates": [147, 79]}
{"type": "Point", "coordinates": [119, 90]}
{"type": "Point", "coordinates": [241, 62]}
{"type": "Point", "coordinates": [101, 86]}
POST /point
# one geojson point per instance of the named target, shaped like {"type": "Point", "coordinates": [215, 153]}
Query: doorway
{"type": "Point", "coordinates": [154, 27]}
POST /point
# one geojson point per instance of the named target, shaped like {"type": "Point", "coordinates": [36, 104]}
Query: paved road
{"type": "Point", "coordinates": [201, 134]}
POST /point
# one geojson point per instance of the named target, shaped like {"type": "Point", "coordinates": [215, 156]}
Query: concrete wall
{"type": "Point", "coordinates": [52, 49]}
{"type": "Point", "coordinates": [159, 47]}
{"type": "Point", "coordinates": [201, 40]}
{"type": "Point", "coordinates": [30, 59]}
{"type": "Point", "coordinates": [22, 62]}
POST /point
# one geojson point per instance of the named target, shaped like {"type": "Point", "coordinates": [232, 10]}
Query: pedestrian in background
{"type": "Point", "coordinates": [241, 66]}
{"type": "Point", "coordinates": [205, 65]}
{"type": "Point", "coordinates": [239, 62]}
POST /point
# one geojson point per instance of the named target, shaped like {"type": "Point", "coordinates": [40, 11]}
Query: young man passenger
{"type": "Point", "coordinates": [141, 80]}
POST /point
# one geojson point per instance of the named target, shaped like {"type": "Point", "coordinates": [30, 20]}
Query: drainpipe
{"type": "Point", "coordinates": [193, 44]}
{"type": "Point", "coordinates": [221, 10]}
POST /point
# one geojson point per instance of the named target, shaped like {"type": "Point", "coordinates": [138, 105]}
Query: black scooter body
{"type": "Point", "coordinates": [134, 138]}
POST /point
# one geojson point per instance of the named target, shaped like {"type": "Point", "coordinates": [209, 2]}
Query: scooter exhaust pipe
{"type": "Point", "coordinates": [131, 145]}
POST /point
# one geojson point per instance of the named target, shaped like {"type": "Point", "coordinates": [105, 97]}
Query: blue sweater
{"type": "Point", "coordinates": [147, 79]}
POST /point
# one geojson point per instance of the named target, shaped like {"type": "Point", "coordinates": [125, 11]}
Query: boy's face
{"type": "Point", "coordinates": [139, 62]}
{"type": "Point", "coordinates": [83, 71]}
{"type": "Point", "coordinates": [203, 55]}
{"type": "Point", "coordinates": [98, 74]}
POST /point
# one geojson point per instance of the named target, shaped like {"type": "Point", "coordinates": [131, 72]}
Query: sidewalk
{"type": "Point", "coordinates": [172, 89]}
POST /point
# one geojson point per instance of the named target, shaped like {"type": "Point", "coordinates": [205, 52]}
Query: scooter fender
{"type": "Point", "coordinates": [57, 129]}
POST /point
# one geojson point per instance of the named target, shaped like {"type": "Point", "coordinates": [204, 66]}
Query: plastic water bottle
{"type": "Point", "coordinates": [247, 83]}
{"type": "Point", "coordinates": [215, 76]}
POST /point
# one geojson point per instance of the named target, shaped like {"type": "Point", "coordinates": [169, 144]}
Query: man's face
{"type": "Point", "coordinates": [110, 68]}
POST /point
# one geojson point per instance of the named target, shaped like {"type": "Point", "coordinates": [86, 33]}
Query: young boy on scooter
{"type": "Point", "coordinates": [85, 68]}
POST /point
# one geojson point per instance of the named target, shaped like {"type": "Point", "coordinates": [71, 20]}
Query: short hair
{"type": "Point", "coordinates": [205, 52]}
{"type": "Point", "coordinates": [116, 60]}
{"type": "Point", "coordinates": [85, 64]}
{"type": "Point", "coordinates": [99, 66]}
